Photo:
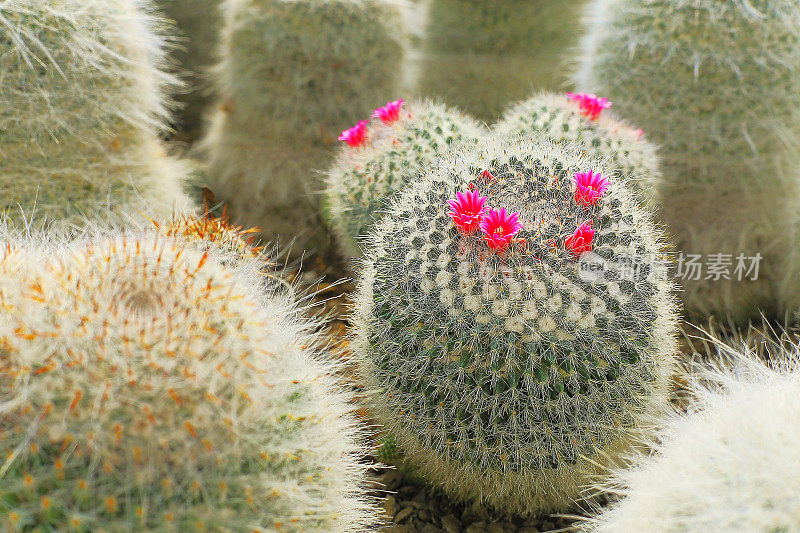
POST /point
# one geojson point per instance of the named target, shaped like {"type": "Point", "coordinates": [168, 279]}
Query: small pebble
{"type": "Point", "coordinates": [402, 515]}
{"type": "Point", "coordinates": [495, 528]}
{"type": "Point", "coordinates": [476, 528]}
{"type": "Point", "coordinates": [548, 526]}
{"type": "Point", "coordinates": [429, 528]}
{"type": "Point", "coordinates": [390, 505]}
{"type": "Point", "coordinates": [451, 524]}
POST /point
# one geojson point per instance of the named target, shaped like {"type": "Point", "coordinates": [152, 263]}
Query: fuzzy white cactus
{"type": "Point", "coordinates": [147, 386]}
{"type": "Point", "coordinates": [732, 464]}
{"type": "Point", "coordinates": [293, 74]}
{"type": "Point", "coordinates": [716, 83]}
{"type": "Point", "coordinates": [81, 106]}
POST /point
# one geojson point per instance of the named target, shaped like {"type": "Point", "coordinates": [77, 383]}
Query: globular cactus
{"type": "Point", "coordinates": [199, 23]}
{"type": "Point", "coordinates": [574, 118]}
{"type": "Point", "coordinates": [292, 75]}
{"type": "Point", "coordinates": [505, 371]}
{"type": "Point", "coordinates": [731, 464]}
{"type": "Point", "coordinates": [81, 106]}
{"type": "Point", "coordinates": [480, 56]}
{"type": "Point", "coordinates": [393, 150]}
{"type": "Point", "coordinates": [717, 86]}
{"type": "Point", "coordinates": [147, 387]}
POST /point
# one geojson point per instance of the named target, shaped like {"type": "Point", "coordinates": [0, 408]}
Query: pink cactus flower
{"type": "Point", "coordinates": [639, 134]}
{"type": "Point", "coordinates": [589, 187]}
{"type": "Point", "coordinates": [466, 211]}
{"type": "Point", "coordinates": [499, 228]}
{"type": "Point", "coordinates": [590, 104]}
{"type": "Point", "coordinates": [390, 112]}
{"type": "Point", "coordinates": [357, 135]}
{"type": "Point", "coordinates": [580, 242]}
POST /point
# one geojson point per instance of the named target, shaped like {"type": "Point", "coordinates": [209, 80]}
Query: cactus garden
{"type": "Point", "coordinates": [436, 266]}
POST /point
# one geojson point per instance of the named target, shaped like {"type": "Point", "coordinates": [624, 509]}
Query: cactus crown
{"type": "Point", "coordinates": [364, 177]}
{"type": "Point", "coordinates": [148, 387]}
{"type": "Point", "coordinates": [493, 354]}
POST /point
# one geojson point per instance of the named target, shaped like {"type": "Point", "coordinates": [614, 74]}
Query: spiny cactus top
{"type": "Point", "coordinates": [81, 106]}
{"type": "Point", "coordinates": [716, 84]}
{"type": "Point", "coordinates": [146, 387]}
{"type": "Point", "coordinates": [383, 155]}
{"type": "Point", "coordinates": [502, 367]}
{"type": "Point", "coordinates": [582, 118]}
{"type": "Point", "coordinates": [732, 464]}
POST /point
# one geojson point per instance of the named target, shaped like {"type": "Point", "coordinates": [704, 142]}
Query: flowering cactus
{"type": "Point", "coordinates": [732, 464]}
{"type": "Point", "coordinates": [292, 74]}
{"type": "Point", "coordinates": [581, 118]}
{"type": "Point", "coordinates": [147, 387]}
{"type": "Point", "coordinates": [81, 107]}
{"type": "Point", "coordinates": [717, 85]}
{"type": "Point", "coordinates": [389, 153]}
{"type": "Point", "coordinates": [503, 371]}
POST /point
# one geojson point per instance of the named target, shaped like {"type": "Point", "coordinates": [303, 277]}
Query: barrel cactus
{"type": "Point", "coordinates": [147, 387]}
{"type": "Point", "coordinates": [81, 106]}
{"type": "Point", "coordinates": [717, 85]}
{"type": "Point", "coordinates": [293, 74]}
{"type": "Point", "coordinates": [505, 369]}
{"type": "Point", "coordinates": [398, 144]}
{"type": "Point", "coordinates": [481, 56]}
{"type": "Point", "coordinates": [732, 464]}
{"type": "Point", "coordinates": [580, 118]}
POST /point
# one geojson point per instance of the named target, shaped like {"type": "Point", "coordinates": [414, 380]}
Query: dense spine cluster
{"type": "Point", "coordinates": [716, 83]}
{"type": "Point", "coordinates": [81, 106]}
{"type": "Point", "coordinates": [505, 370]}
{"type": "Point", "coordinates": [293, 74]}
{"type": "Point", "coordinates": [394, 150]}
{"type": "Point", "coordinates": [561, 119]}
{"type": "Point", "coordinates": [146, 386]}
{"type": "Point", "coordinates": [731, 464]}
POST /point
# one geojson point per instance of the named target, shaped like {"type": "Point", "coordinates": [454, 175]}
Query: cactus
{"type": "Point", "coordinates": [199, 23]}
{"type": "Point", "coordinates": [293, 73]}
{"type": "Point", "coordinates": [717, 85]}
{"type": "Point", "coordinates": [506, 372]}
{"type": "Point", "coordinates": [561, 119]}
{"type": "Point", "coordinates": [480, 56]}
{"type": "Point", "coordinates": [81, 104]}
{"type": "Point", "coordinates": [362, 178]}
{"type": "Point", "coordinates": [147, 387]}
{"type": "Point", "coordinates": [731, 464]}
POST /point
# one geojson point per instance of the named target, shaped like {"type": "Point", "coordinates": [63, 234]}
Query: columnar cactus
{"type": "Point", "coordinates": [293, 74]}
{"type": "Point", "coordinates": [147, 387]}
{"type": "Point", "coordinates": [481, 56]}
{"type": "Point", "coordinates": [505, 369]}
{"type": "Point", "coordinates": [393, 150]}
{"type": "Point", "coordinates": [81, 106]}
{"type": "Point", "coordinates": [731, 464]}
{"type": "Point", "coordinates": [579, 118]}
{"type": "Point", "coordinates": [199, 23]}
{"type": "Point", "coordinates": [717, 85]}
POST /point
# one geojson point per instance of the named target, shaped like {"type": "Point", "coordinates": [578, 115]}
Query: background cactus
{"type": "Point", "coordinates": [507, 376]}
{"type": "Point", "coordinates": [81, 106]}
{"type": "Point", "coordinates": [480, 56]}
{"type": "Point", "coordinates": [717, 85]}
{"type": "Point", "coordinates": [199, 23]}
{"type": "Point", "coordinates": [560, 118]}
{"type": "Point", "coordinates": [294, 73]}
{"type": "Point", "coordinates": [731, 464]}
{"type": "Point", "coordinates": [362, 178]}
{"type": "Point", "coordinates": [147, 387]}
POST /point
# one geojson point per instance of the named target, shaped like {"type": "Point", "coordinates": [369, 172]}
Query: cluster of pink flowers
{"type": "Point", "coordinates": [357, 135]}
{"type": "Point", "coordinates": [591, 105]}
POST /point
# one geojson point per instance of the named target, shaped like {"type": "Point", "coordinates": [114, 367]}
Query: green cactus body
{"type": "Point", "coordinates": [199, 23]}
{"type": "Point", "coordinates": [294, 73]}
{"type": "Point", "coordinates": [559, 119]}
{"type": "Point", "coordinates": [81, 105]}
{"type": "Point", "coordinates": [147, 387]}
{"type": "Point", "coordinates": [509, 377]}
{"type": "Point", "coordinates": [717, 86]}
{"type": "Point", "coordinates": [364, 177]}
{"type": "Point", "coordinates": [731, 464]}
{"type": "Point", "coordinates": [480, 56]}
